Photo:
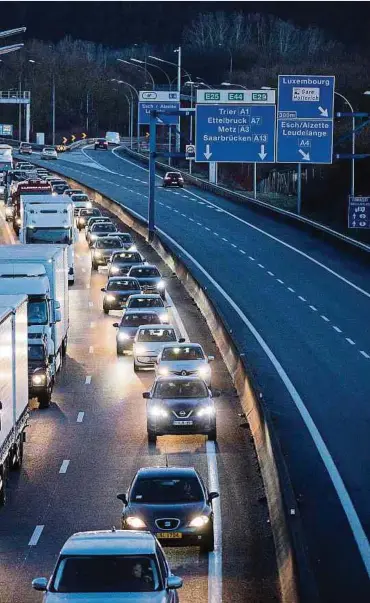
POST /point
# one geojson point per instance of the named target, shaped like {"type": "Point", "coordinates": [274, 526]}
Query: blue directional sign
{"type": "Point", "coordinates": [152, 100]}
{"type": "Point", "coordinates": [6, 130]}
{"type": "Point", "coordinates": [235, 133]}
{"type": "Point", "coordinates": [305, 119]}
{"type": "Point", "coordinates": [359, 212]}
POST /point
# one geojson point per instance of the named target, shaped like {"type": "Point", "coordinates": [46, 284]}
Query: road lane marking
{"type": "Point", "coordinates": [233, 245]}
{"type": "Point", "coordinates": [206, 227]}
{"type": "Point", "coordinates": [337, 329]}
{"type": "Point", "coordinates": [290, 289]}
{"type": "Point", "coordinates": [302, 298]}
{"type": "Point", "coordinates": [91, 349]}
{"type": "Point", "coordinates": [80, 417]}
{"type": "Point", "coordinates": [216, 234]}
{"type": "Point", "coordinates": [200, 224]}
{"type": "Point", "coordinates": [313, 308]}
{"type": "Point", "coordinates": [364, 354]}
{"type": "Point", "coordinates": [242, 251]}
{"type": "Point", "coordinates": [64, 466]}
{"type": "Point", "coordinates": [280, 281]}
{"type": "Point", "coordinates": [350, 341]}
{"type": "Point", "coordinates": [91, 304]}
{"type": "Point", "coordinates": [250, 257]}
{"type": "Point", "coordinates": [270, 273]}
{"type": "Point", "coordinates": [88, 380]}
{"type": "Point", "coordinates": [261, 265]}
{"type": "Point", "coordinates": [215, 557]}
{"type": "Point", "coordinates": [325, 318]}
{"type": "Point", "coordinates": [226, 241]}
{"type": "Point", "coordinates": [354, 522]}
{"type": "Point", "coordinates": [36, 535]}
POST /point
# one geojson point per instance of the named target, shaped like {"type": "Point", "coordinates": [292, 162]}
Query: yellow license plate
{"type": "Point", "coordinates": [169, 535]}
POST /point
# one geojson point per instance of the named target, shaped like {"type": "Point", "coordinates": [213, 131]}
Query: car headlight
{"type": "Point", "coordinates": [140, 349]}
{"type": "Point", "coordinates": [132, 248]}
{"type": "Point", "coordinates": [93, 237]}
{"type": "Point", "coordinates": [18, 221]}
{"type": "Point", "coordinates": [97, 254]}
{"type": "Point", "coordinates": [114, 269]}
{"type": "Point", "coordinates": [38, 379]}
{"type": "Point", "coordinates": [123, 336]}
{"type": "Point", "coordinates": [164, 317]}
{"type": "Point", "coordinates": [199, 521]}
{"type": "Point", "coordinates": [158, 412]}
{"type": "Point", "coordinates": [88, 205]}
{"type": "Point", "coordinates": [135, 522]}
{"type": "Point", "coordinates": [206, 411]}
{"type": "Point", "coordinates": [204, 371]}
{"type": "Point", "coordinates": [82, 221]}
{"type": "Point", "coordinates": [8, 211]}
{"type": "Point", "coordinates": [163, 370]}
{"type": "Point", "coordinates": [1, 189]}
{"type": "Point", "coordinates": [161, 285]}
{"type": "Point", "coordinates": [110, 298]}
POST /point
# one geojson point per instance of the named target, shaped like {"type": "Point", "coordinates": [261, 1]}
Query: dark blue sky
{"type": "Point", "coordinates": [123, 23]}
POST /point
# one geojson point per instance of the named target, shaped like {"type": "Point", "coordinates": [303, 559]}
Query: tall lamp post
{"type": "Point", "coordinates": [353, 142]}
{"type": "Point", "coordinates": [131, 87]}
{"type": "Point", "coordinates": [141, 69]}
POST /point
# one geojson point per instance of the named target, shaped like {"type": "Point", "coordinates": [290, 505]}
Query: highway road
{"type": "Point", "coordinates": [298, 307]}
{"type": "Point", "coordinates": [87, 446]}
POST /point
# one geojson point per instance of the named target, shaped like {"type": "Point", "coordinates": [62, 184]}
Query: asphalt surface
{"type": "Point", "coordinates": [75, 464]}
{"type": "Point", "coordinates": [309, 301]}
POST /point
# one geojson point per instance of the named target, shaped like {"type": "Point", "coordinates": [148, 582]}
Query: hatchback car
{"type": "Point", "coordinates": [84, 214]}
{"type": "Point", "coordinates": [73, 191]}
{"type": "Point", "coordinates": [121, 262]}
{"type": "Point", "coordinates": [173, 179]}
{"type": "Point", "coordinates": [150, 279]}
{"type": "Point", "coordinates": [184, 359]}
{"type": "Point", "coordinates": [25, 149]}
{"type": "Point", "coordinates": [149, 340]}
{"type": "Point", "coordinates": [148, 301]}
{"type": "Point", "coordinates": [101, 143]}
{"type": "Point", "coordinates": [126, 239]}
{"type": "Point", "coordinates": [99, 230]}
{"type": "Point", "coordinates": [59, 188]}
{"type": "Point", "coordinates": [130, 322]}
{"type": "Point", "coordinates": [48, 153]}
{"type": "Point", "coordinates": [110, 565]}
{"type": "Point", "coordinates": [173, 503]}
{"type": "Point", "coordinates": [180, 405]}
{"type": "Point", "coordinates": [102, 249]}
{"type": "Point", "coordinates": [80, 201]}
{"type": "Point", "coordinates": [117, 290]}
{"type": "Point", "coordinates": [92, 219]}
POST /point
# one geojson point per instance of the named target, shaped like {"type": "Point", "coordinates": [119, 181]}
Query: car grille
{"type": "Point", "coordinates": [184, 373]}
{"type": "Point", "coordinates": [167, 523]}
{"type": "Point", "coordinates": [183, 413]}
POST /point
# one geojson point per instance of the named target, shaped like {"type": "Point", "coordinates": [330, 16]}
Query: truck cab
{"type": "Point", "coordinates": [40, 371]}
{"type": "Point", "coordinates": [27, 187]}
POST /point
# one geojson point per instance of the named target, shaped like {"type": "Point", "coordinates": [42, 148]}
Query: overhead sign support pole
{"type": "Point", "coordinates": [152, 155]}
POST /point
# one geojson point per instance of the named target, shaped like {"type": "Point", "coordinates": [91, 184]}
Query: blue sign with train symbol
{"type": "Point", "coordinates": [359, 212]}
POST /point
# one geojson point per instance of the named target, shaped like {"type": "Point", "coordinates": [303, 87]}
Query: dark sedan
{"type": "Point", "coordinates": [173, 503]}
{"type": "Point", "coordinates": [101, 143]}
{"type": "Point", "coordinates": [117, 291]}
{"type": "Point", "coordinates": [173, 179]}
{"type": "Point", "coordinates": [121, 262]}
{"type": "Point", "coordinates": [130, 322]}
{"type": "Point", "coordinates": [102, 249]}
{"type": "Point", "coordinates": [150, 279]}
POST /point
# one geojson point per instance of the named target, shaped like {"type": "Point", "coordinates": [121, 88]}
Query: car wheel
{"type": "Point", "coordinates": [105, 310]}
{"type": "Point", "coordinates": [3, 492]}
{"type": "Point", "coordinates": [136, 368]}
{"type": "Point", "coordinates": [45, 399]}
{"type": "Point", "coordinates": [208, 544]}
{"type": "Point", "coordinates": [119, 351]}
{"type": "Point", "coordinates": [212, 436]}
{"type": "Point", "coordinates": [152, 437]}
{"type": "Point", "coordinates": [94, 266]}
{"type": "Point", "coordinates": [19, 455]}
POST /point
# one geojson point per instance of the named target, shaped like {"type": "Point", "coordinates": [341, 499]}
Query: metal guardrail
{"type": "Point", "coordinates": [242, 198]}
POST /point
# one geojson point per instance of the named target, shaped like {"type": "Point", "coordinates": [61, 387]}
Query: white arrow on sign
{"type": "Point", "coordinates": [306, 156]}
{"type": "Point", "coordinates": [208, 153]}
{"type": "Point", "coordinates": [262, 154]}
{"type": "Point", "coordinates": [323, 112]}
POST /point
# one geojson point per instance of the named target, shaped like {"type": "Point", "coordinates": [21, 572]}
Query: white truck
{"type": "Point", "coordinates": [13, 387]}
{"type": "Point", "coordinates": [40, 271]}
{"type": "Point", "coordinates": [49, 219]}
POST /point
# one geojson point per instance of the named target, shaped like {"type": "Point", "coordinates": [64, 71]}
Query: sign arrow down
{"type": "Point", "coordinates": [306, 156]}
{"type": "Point", "coordinates": [262, 154]}
{"type": "Point", "coordinates": [207, 154]}
{"type": "Point", "coordinates": [323, 112]}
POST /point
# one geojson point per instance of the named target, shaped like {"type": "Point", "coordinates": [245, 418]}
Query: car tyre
{"type": "Point", "coordinates": [120, 351]}
{"type": "Point", "coordinates": [208, 544]}
{"type": "Point", "coordinates": [152, 437]}
{"type": "Point", "coordinates": [212, 436]}
{"type": "Point", "coordinates": [136, 368]}
{"type": "Point", "coordinates": [17, 463]}
{"type": "Point", "coordinates": [45, 398]}
{"type": "Point", "coordinates": [94, 266]}
{"type": "Point", "coordinates": [105, 310]}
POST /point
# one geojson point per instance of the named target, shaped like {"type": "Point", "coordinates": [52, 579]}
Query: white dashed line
{"type": "Point", "coordinates": [313, 308]}
{"type": "Point", "coordinates": [191, 220]}
{"type": "Point", "coordinates": [183, 215]}
{"type": "Point", "coordinates": [80, 417]}
{"type": "Point", "coordinates": [280, 281]}
{"type": "Point", "coordinates": [199, 223]}
{"type": "Point", "coordinates": [337, 329]}
{"type": "Point", "coordinates": [216, 234]}
{"type": "Point", "coordinates": [91, 349]}
{"type": "Point", "coordinates": [160, 203]}
{"type": "Point", "coordinates": [199, 202]}
{"type": "Point", "coordinates": [350, 341]}
{"type": "Point", "coordinates": [219, 210]}
{"type": "Point", "coordinates": [36, 535]}
{"type": "Point", "coordinates": [206, 227]}
{"type": "Point", "coordinates": [364, 354]}
{"type": "Point", "coordinates": [226, 241]}
{"type": "Point", "coordinates": [176, 211]}
{"type": "Point", "coordinates": [325, 318]}
{"type": "Point", "coordinates": [91, 304]}
{"type": "Point", "coordinates": [250, 257]}
{"type": "Point", "coordinates": [301, 298]}
{"type": "Point", "coordinates": [64, 467]}
{"type": "Point", "coordinates": [261, 265]}
{"type": "Point", "coordinates": [270, 273]}
{"type": "Point", "coordinates": [242, 251]}
{"type": "Point", "coordinates": [88, 380]}
{"type": "Point", "coordinates": [233, 245]}
{"type": "Point", "coordinates": [290, 289]}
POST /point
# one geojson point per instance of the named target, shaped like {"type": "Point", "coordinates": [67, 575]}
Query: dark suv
{"type": "Point", "coordinates": [173, 179]}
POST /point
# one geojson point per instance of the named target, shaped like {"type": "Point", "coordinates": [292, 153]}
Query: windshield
{"type": "Point", "coordinates": [80, 198]}
{"type": "Point", "coordinates": [174, 174]}
{"type": "Point", "coordinates": [141, 302]}
{"type": "Point", "coordinates": [125, 258]}
{"type": "Point", "coordinates": [62, 236]}
{"type": "Point", "coordinates": [103, 227]}
{"type": "Point", "coordinates": [126, 238]}
{"type": "Point", "coordinates": [157, 335]}
{"type": "Point", "coordinates": [37, 312]}
{"type": "Point", "coordinates": [107, 574]}
{"type": "Point", "coordinates": [89, 212]}
{"type": "Point", "coordinates": [140, 272]}
{"type": "Point", "coordinates": [180, 389]}
{"type": "Point", "coordinates": [36, 352]}
{"type": "Point", "coordinates": [190, 353]}
{"type": "Point", "coordinates": [122, 285]}
{"type": "Point", "coordinates": [135, 320]}
{"type": "Point", "coordinates": [167, 490]}
{"type": "Point", "coordinates": [112, 243]}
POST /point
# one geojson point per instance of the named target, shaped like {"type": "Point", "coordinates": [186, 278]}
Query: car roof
{"type": "Point", "coordinates": [186, 344]}
{"type": "Point", "coordinates": [170, 472]}
{"type": "Point", "coordinates": [158, 326]}
{"type": "Point", "coordinates": [145, 295]}
{"type": "Point", "coordinates": [107, 542]}
{"type": "Point", "coordinates": [161, 378]}
{"type": "Point", "coordinates": [141, 266]}
{"type": "Point", "coordinates": [121, 278]}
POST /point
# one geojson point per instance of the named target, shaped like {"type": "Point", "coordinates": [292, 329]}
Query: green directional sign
{"type": "Point", "coordinates": [235, 96]}
{"type": "Point", "coordinates": [212, 96]}
{"type": "Point", "coordinates": [259, 96]}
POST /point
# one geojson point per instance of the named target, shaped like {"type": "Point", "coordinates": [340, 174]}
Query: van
{"type": "Point", "coordinates": [112, 137]}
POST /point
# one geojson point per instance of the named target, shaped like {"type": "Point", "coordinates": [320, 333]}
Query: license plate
{"type": "Point", "coordinates": [169, 535]}
{"type": "Point", "coordinates": [183, 422]}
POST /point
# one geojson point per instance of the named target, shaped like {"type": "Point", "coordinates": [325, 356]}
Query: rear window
{"type": "Point", "coordinates": [104, 227]}
{"type": "Point", "coordinates": [135, 320]}
{"type": "Point", "coordinates": [158, 335]}
{"type": "Point", "coordinates": [122, 285]}
{"type": "Point", "coordinates": [141, 272]}
{"type": "Point", "coordinates": [142, 302]}
{"type": "Point", "coordinates": [80, 198]}
{"type": "Point", "coordinates": [125, 258]}
{"type": "Point", "coordinates": [106, 243]}
{"type": "Point", "coordinates": [188, 353]}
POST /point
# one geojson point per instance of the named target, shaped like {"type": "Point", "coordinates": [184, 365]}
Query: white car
{"type": "Point", "coordinates": [49, 153]}
{"type": "Point", "coordinates": [144, 302]}
{"type": "Point", "coordinates": [184, 359]}
{"type": "Point", "coordinates": [149, 341]}
{"type": "Point", "coordinates": [114, 565]}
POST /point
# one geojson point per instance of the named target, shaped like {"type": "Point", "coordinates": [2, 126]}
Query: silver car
{"type": "Point", "coordinates": [110, 565]}
{"type": "Point", "coordinates": [149, 340]}
{"type": "Point", "coordinates": [48, 153]}
{"type": "Point", "coordinates": [184, 359]}
{"type": "Point", "coordinates": [144, 302]}
{"type": "Point", "coordinates": [130, 322]}
{"type": "Point", "coordinates": [102, 249]}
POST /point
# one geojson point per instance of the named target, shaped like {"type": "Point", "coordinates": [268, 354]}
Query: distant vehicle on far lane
{"type": "Point", "coordinates": [25, 149]}
{"type": "Point", "coordinates": [101, 143]}
{"type": "Point", "coordinates": [112, 137]}
{"type": "Point", "coordinates": [173, 179]}
{"type": "Point", "coordinates": [48, 153]}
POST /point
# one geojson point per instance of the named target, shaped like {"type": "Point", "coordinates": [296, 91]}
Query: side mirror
{"type": "Point", "coordinates": [103, 289]}
{"type": "Point", "coordinates": [182, 340]}
{"type": "Point", "coordinates": [115, 324]}
{"type": "Point", "coordinates": [146, 395]}
{"type": "Point", "coordinates": [211, 358]}
{"type": "Point", "coordinates": [123, 498]}
{"type": "Point", "coordinates": [39, 583]}
{"type": "Point", "coordinates": [58, 316]}
{"type": "Point", "coordinates": [57, 305]}
{"type": "Point", "coordinates": [174, 582]}
{"type": "Point", "coordinates": [212, 495]}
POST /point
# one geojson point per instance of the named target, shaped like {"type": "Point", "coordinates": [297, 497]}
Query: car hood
{"type": "Point", "coordinates": [159, 597]}
{"type": "Point", "coordinates": [185, 365]}
{"type": "Point", "coordinates": [179, 404]}
{"type": "Point", "coordinates": [151, 346]}
{"type": "Point", "coordinates": [148, 280]}
{"type": "Point", "coordinates": [185, 511]}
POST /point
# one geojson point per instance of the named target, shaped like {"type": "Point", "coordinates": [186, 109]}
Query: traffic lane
{"type": "Point", "coordinates": [349, 264]}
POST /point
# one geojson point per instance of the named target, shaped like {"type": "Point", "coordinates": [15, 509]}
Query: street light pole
{"type": "Point", "coordinates": [53, 109]}
{"type": "Point", "coordinates": [353, 143]}
{"type": "Point", "coordinates": [141, 69]}
{"type": "Point", "coordinates": [179, 91]}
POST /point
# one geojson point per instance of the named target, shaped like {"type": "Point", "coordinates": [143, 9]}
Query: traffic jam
{"type": "Point", "coordinates": [164, 504]}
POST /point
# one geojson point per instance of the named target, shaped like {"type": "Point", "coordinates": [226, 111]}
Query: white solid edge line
{"type": "Point", "coordinates": [91, 349]}
{"type": "Point", "coordinates": [36, 535]}
{"type": "Point", "coordinates": [88, 380]}
{"type": "Point", "coordinates": [177, 318]}
{"type": "Point", "coordinates": [64, 466]}
{"type": "Point", "coordinates": [336, 479]}
{"type": "Point", "coordinates": [215, 557]}
{"type": "Point", "coordinates": [270, 236]}
{"type": "Point", "coordinates": [80, 417]}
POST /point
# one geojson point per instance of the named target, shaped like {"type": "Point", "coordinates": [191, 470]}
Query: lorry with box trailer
{"type": "Point", "coordinates": [13, 388]}
{"type": "Point", "coordinates": [31, 186]}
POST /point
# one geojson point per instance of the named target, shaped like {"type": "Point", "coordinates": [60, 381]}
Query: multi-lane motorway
{"type": "Point", "coordinates": [298, 307]}
{"type": "Point", "coordinates": [88, 445]}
